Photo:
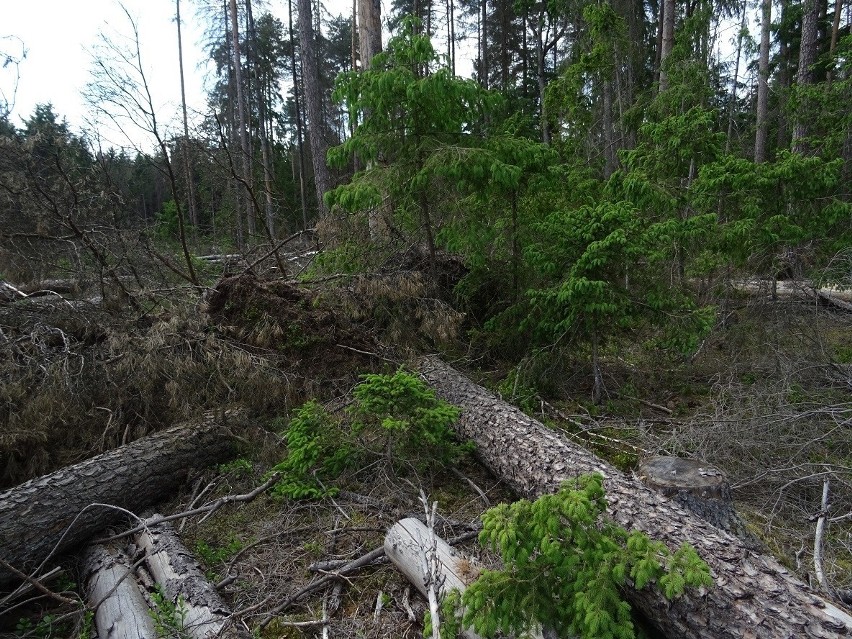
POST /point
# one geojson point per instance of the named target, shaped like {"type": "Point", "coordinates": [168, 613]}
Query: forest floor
{"type": "Point", "coordinates": [765, 399]}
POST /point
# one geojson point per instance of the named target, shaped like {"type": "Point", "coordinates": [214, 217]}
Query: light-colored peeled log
{"type": "Point", "coordinates": [408, 544]}
{"type": "Point", "coordinates": [121, 611]}
{"type": "Point", "coordinates": [177, 572]}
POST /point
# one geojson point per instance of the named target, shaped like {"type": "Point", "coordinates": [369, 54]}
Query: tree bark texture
{"type": "Point", "coordinates": [753, 597]}
{"type": "Point", "coordinates": [313, 103]}
{"type": "Point", "coordinates": [666, 40]}
{"type": "Point", "coordinates": [763, 84]}
{"type": "Point", "coordinates": [122, 612]}
{"type": "Point", "coordinates": [369, 30]}
{"type": "Point", "coordinates": [175, 569]}
{"type": "Point", "coordinates": [808, 53]}
{"type": "Point", "coordinates": [245, 154]}
{"type": "Point", "coordinates": [39, 519]}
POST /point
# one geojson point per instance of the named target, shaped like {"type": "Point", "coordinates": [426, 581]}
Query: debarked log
{"type": "Point", "coordinates": [121, 611]}
{"type": "Point", "coordinates": [174, 568]}
{"type": "Point", "coordinates": [753, 596]}
{"type": "Point", "coordinates": [59, 512]}
{"type": "Point", "coordinates": [408, 545]}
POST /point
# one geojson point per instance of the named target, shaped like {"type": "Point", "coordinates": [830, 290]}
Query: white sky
{"type": "Point", "coordinates": [60, 34]}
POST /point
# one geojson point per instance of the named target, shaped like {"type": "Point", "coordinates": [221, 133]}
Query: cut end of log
{"type": "Point", "coordinates": [701, 489]}
{"type": "Point", "coordinates": [671, 475]}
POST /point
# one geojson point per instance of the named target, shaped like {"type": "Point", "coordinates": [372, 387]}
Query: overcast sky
{"type": "Point", "coordinates": [60, 35]}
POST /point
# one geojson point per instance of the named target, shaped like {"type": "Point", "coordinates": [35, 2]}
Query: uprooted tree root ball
{"type": "Point", "coordinates": [81, 380]}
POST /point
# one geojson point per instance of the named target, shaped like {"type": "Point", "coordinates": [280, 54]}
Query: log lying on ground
{"type": "Point", "coordinates": [121, 611]}
{"type": "Point", "coordinates": [407, 545]}
{"type": "Point", "coordinates": [37, 518]}
{"type": "Point", "coordinates": [177, 572]}
{"type": "Point", "coordinates": [754, 596]}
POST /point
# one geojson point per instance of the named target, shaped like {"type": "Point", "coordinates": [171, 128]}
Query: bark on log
{"type": "Point", "coordinates": [121, 612]}
{"type": "Point", "coordinates": [407, 544]}
{"type": "Point", "coordinates": [754, 596]}
{"type": "Point", "coordinates": [37, 518]}
{"type": "Point", "coordinates": [175, 569]}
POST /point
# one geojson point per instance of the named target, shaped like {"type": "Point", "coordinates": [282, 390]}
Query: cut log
{"type": "Point", "coordinates": [754, 596]}
{"type": "Point", "coordinates": [701, 489]}
{"type": "Point", "coordinates": [121, 611]}
{"type": "Point", "coordinates": [182, 580]}
{"type": "Point", "coordinates": [407, 545]}
{"type": "Point", "coordinates": [59, 512]}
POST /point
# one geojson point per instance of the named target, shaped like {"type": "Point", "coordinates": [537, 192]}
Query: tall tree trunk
{"type": "Point", "coordinates": [763, 84]}
{"type": "Point", "coordinates": [540, 54]}
{"type": "Point", "coordinates": [483, 40]}
{"type": "Point", "coordinates": [241, 119]}
{"type": "Point", "coordinates": [231, 126]}
{"type": "Point", "coordinates": [451, 35]}
{"type": "Point", "coordinates": [754, 596]}
{"type": "Point", "coordinates": [261, 93]}
{"type": "Point", "coordinates": [56, 513]}
{"type": "Point", "coordinates": [190, 185]}
{"type": "Point", "coordinates": [313, 102]}
{"type": "Point", "coordinates": [784, 78]}
{"type": "Point", "coordinates": [369, 30]}
{"type": "Point", "coordinates": [658, 50]}
{"type": "Point", "coordinates": [667, 40]}
{"type": "Point", "coordinates": [732, 101]}
{"type": "Point", "coordinates": [808, 50]}
{"type": "Point", "coordinates": [835, 30]}
{"type": "Point", "coordinates": [299, 129]}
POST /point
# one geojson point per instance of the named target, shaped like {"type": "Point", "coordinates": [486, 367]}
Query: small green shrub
{"type": "Point", "coordinates": [316, 450]}
{"type": "Point", "coordinates": [240, 467]}
{"type": "Point", "coordinates": [417, 425]}
{"type": "Point", "coordinates": [212, 555]}
{"type": "Point", "coordinates": [398, 411]}
{"type": "Point", "coordinates": [169, 617]}
{"type": "Point", "coordinates": [565, 567]}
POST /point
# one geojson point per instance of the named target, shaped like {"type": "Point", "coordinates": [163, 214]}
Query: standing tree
{"type": "Point", "coordinates": [244, 176]}
{"type": "Point", "coordinates": [187, 169]}
{"type": "Point", "coordinates": [314, 103]}
{"type": "Point", "coordinates": [763, 84]}
{"type": "Point", "coordinates": [369, 30]}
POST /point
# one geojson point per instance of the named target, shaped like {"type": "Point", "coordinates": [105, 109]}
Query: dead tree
{"type": "Point", "coordinates": [120, 608]}
{"type": "Point", "coordinates": [182, 581]}
{"type": "Point", "coordinates": [59, 512]}
{"type": "Point", "coordinates": [754, 596]}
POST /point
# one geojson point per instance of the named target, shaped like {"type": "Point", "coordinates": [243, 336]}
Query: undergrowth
{"type": "Point", "coordinates": [394, 417]}
{"type": "Point", "coordinates": [565, 566]}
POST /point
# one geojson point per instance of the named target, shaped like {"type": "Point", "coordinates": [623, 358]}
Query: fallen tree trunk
{"type": "Point", "coordinates": [182, 580]}
{"type": "Point", "coordinates": [58, 512]}
{"type": "Point", "coordinates": [120, 609]}
{"type": "Point", "coordinates": [754, 596]}
{"type": "Point", "coordinates": [408, 546]}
